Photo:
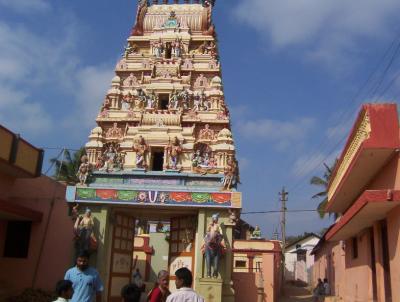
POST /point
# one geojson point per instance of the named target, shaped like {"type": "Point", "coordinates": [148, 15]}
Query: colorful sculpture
{"type": "Point", "coordinates": [141, 149]}
{"type": "Point", "coordinates": [256, 233]}
{"type": "Point", "coordinates": [213, 247]}
{"type": "Point", "coordinates": [84, 170]}
{"type": "Point", "coordinates": [230, 174]}
{"type": "Point", "coordinates": [174, 149]}
{"type": "Point", "coordinates": [83, 229]}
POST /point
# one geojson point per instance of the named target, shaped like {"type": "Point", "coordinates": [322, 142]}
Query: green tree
{"type": "Point", "coordinates": [67, 167]}
{"type": "Point", "coordinates": [323, 183]}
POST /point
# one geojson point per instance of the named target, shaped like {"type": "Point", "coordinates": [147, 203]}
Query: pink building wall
{"type": "Point", "coordinates": [247, 284]}
{"type": "Point", "coordinates": [358, 285]}
{"type": "Point", "coordinates": [330, 263]}
{"type": "Point", "coordinates": [44, 195]}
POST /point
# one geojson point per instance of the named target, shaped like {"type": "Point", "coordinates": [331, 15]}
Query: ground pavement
{"type": "Point", "coordinates": [293, 293]}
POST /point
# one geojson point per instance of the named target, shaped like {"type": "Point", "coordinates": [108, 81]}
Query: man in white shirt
{"type": "Point", "coordinates": [183, 283]}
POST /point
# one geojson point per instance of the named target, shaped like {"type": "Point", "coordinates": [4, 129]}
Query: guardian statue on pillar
{"type": "Point", "coordinates": [213, 247]}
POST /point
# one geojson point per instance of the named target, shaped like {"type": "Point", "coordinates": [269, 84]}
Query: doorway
{"type": "Point", "coordinates": [157, 158]}
{"type": "Point", "coordinates": [385, 260]}
{"type": "Point", "coordinates": [163, 101]}
{"type": "Point", "coordinates": [121, 255]}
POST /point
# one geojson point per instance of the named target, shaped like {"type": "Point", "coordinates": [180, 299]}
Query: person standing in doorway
{"type": "Point", "coordinates": [85, 280]}
{"type": "Point", "coordinates": [183, 282]}
{"type": "Point", "coordinates": [160, 292]}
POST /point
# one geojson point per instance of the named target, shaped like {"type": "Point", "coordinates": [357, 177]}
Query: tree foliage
{"type": "Point", "coordinates": [323, 183]}
{"type": "Point", "coordinates": [66, 168]}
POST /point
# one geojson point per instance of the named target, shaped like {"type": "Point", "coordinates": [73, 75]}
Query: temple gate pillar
{"type": "Point", "coordinates": [228, 293]}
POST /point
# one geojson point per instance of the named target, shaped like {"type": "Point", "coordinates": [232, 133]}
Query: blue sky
{"type": "Point", "coordinates": [291, 70]}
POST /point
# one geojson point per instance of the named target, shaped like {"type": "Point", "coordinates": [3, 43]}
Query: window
{"type": "Point", "coordinates": [355, 247]}
{"type": "Point", "coordinates": [240, 263]}
{"type": "Point", "coordinates": [301, 255]}
{"type": "Point", "coordinates": [158, 160]}
{"type": "Point", "coordinates": [163, 101]}
{"type": "Point", "coordinates": [18, 235]}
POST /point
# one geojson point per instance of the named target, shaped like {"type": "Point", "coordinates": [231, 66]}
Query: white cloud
{"type": "Point", "coordinates": [91, 85]}
{"type": "Point", "coordinates": [32, 62]}
{"type": "Point", "coordinates": [327, 30]}
{"type": "Point", "coordinates": [26, 6]}
{"type": "Point", "coordinates": [22, 115]}
{"type": "Point", "coordinates": [281, 133]}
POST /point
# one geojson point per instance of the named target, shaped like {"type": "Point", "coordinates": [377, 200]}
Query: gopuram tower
{"type": "Point", "coordinates": [162, 151]}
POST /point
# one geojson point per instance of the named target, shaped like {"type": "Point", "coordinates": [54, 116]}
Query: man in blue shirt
{"type": "Point", "coordinates": [85, 280]}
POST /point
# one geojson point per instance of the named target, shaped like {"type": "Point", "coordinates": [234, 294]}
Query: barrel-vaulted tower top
{"type": "Point", "coordinates": [165, 110]}
{"type": "Point", "coordinates": [194, 14]}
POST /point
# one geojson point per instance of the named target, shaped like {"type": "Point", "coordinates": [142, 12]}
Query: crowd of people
{"type": "Point", "coordinates": [82, 283]}
{"type": "Point", "coordinates": [321, 290]}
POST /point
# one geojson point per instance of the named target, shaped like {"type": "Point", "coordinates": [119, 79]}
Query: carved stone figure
{"type": "Point", "coordinates": [256, 233]}
{"type": "Point", "coordinates": [83, 171]}
{"type": "Point", "coordinates": [158, 48]}
{"type": "Point", "coordinates": [174, 149]}
{"type": "Point", "coordinates": [83, 228]}
{"type": "Point", "coordinates": [141, 99]}
{"type": "Point", "coordinates": [230, 174]}
{"type": "Point", "coordinates": [114, 132]}
{"type": "Point", "coordinates": [141, 149]}
{"type": "Point", "coordinates": [151, 101]}
{"type": "Point", "coordinates": [196, 103]}
{"type": "Point", "coordinates": [126, 102]}
{"type": "Point", "coordinates": [213, 247]}
{"type": "Point", "coordinates": [197, 159]}
{"type": "Point", "coordinates": [130, 49]}
{"type": "Point", "coordinates": [177, 48]}
{"type": "Point", "coordinates": [173, 101]}
{"type": "Point", "coordinates": [184, 96]}
{"type": "Point", "coordinates": [206, 133]}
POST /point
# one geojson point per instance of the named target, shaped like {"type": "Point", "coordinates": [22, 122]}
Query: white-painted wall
{"type": "Point", "coordinates": [291, 260]}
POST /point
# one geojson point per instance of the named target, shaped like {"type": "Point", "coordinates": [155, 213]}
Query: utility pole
{"type": "Point", "coordinates": [283, 198]}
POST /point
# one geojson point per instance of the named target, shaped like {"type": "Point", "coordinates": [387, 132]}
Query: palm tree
{"type": "Point", "coordinates": [323, 183]}
{"type": "Point", "coordinates": [66, 169]}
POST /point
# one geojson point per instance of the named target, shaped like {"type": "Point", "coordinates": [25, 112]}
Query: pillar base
{"type": "Point", "coordinates": [210, 289]}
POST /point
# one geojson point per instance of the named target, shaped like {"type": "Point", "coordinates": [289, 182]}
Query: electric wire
{"type": "Point", "coordinates": [372, 91]}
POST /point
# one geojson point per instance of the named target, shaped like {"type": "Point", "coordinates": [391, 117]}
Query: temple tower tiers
{"type": "Point", "coordinates": [162, 152]}
{"type": "Point", "coordinates": [165, 109]}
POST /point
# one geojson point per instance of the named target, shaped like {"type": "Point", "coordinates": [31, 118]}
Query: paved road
{"type": "Point", "coordinates": [295, 294]}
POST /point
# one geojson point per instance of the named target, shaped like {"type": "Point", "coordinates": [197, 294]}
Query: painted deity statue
{"type": "Point", "coordinates": [83, 171]}
{"type": "Point", "coordinates": [173, 101]}
{"type": "Point", "coordinates": [130, 49]}
{"type": "Point", "coordinates": [151, 101]}
{"type": "Point", "coordinates": [197, 159]}
{"type": "Point", "coordinates": [141, 149]}
{"type": "Point", "coordinates": [256, 233]}
{"type": "Point", "coordinates": [85, 239]}
{"type": "Point", "coordinates": [141, 98]}
{"type": "Point", "coordinates": [230, 173]}
{"type": "Point", "coordinates": [213, 246]}
{"type": "Point", "coordinates": [174, 149]}
{"type": "Point", "coordinates": [185, 98]}
{"type": "Point", "coordinates": [177, 48]}
{"type": "Point", "coordinates": [197, 103]}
